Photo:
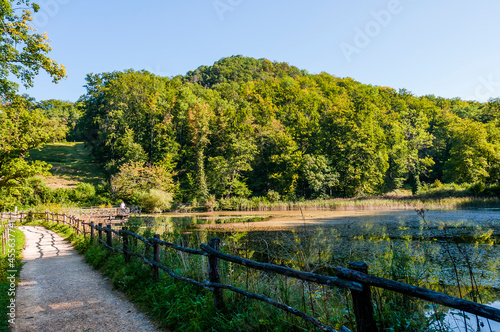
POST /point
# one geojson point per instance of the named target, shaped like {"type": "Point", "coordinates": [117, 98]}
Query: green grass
{"type": "Point", "coordinates": [71, 164]}
{"type": "Point", "coordinates": [179, 306]}
{"type": "Point", "coordinates": [9, 263]}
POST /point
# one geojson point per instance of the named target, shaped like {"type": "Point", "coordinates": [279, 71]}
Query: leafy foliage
{"type": "Point", "coordinates": [63, 117]}
{"type": "Point", "coordinates": [23, 52]}
{"type": "Point", "coordinates": [21, 129]}
{"type": "Point", "coordinates": [244, 127]}
{"type": "Point", "coordinates": [22, 126]}
{"type": "Point", "coordinates": [150, 186]}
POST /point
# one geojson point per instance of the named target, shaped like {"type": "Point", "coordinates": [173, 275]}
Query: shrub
{"type": "Point", "coordinates": [493, 190]}
{"type": "Point", "coordinates": [477, 188]}
{"type": "Point", "coordinates": [154, 200]}
{"type": "Point", "coordinates": [84, 192]}
{"type": "Point", "coordinates": [135, 177]}
{"type": "Point", "coordinates": [273, 196]}
{"type": "Point", "coordinates": [437, 184]}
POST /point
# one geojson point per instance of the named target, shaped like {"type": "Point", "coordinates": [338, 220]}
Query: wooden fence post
{"type": "Point", "coordinates": [362, 303]}
{"type": "Point", "coordinates": [92, 232]}
{"type": "Point", "coordinates": [100, 231]}
{"type": "Point", "coordinates": [109, 236]}
{"type": "Point", "coordinates": [214, 273]}
{"type": "Point", "coordinates": [4, 242]}
{"type": "Point", "coordinates": [156, 258]}
{"type": "Point", "coordinates": [147, 247]}
{"type": "Point", "coordinates": [126, 255]}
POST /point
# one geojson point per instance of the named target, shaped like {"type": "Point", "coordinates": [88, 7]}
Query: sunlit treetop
{"type": "Point", "coordinates": [23, 51]}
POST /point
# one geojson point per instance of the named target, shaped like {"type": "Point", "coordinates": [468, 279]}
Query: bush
{"type": "Point", "coordinates": [477, 188]}
{"type": "Point", "coordinates": [437, 184]}
{"type": "Point", "coordinates": [84, 192]}
{"type": "Point", "coordinates": [445, 190]}
{"type": "Point", "coordinates": [154, 200]}
{"type": "Point", "coordinates": [493, 190]}
{"type": "Point", "coordinates": [273, 196]}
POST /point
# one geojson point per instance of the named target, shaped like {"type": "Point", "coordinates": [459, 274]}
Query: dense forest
{"type": "Point", "coordinates": [247, 127]}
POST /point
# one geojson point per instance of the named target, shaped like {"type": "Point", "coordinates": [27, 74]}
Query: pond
{"type": "Point", "coordinates": [453, 251]}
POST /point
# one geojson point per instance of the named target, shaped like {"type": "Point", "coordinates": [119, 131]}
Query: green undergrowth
{"type": "Point", "coordinates": [173, 305]}
{"type": "Point", "coordinates": [11, 261]}
{"type": "Point", "coordinates": [179, 306]}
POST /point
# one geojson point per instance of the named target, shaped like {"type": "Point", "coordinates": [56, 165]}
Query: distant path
{"type": "Point", "coordinates": [58, 291]}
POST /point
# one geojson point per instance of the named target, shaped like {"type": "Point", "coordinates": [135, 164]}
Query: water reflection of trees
{"type": "Point", "coordinates": [430, 254]}
{"type": "Point", "coordinates": [458, 258]}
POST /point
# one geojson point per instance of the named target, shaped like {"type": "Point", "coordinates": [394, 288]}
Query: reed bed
{"type": "Point", "coordinates": [360, 203]}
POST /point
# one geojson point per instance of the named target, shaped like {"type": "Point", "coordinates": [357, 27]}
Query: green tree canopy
{"type": "Point", "coordinates": [21, 129]}
{"type": "Point", "coordinates": [247, 126]}
{"type": "Point", "coordinates": [23, 52]}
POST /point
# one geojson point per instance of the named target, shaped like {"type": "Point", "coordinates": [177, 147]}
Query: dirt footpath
{"type": "Point", "coordinates": [58, 291]}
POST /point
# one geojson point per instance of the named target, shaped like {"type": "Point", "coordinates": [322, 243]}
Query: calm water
{"type": "Point", "coordinates": [439, 250]}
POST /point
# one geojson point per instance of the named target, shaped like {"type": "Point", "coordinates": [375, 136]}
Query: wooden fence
{"type": "Point", "coordinates": [7, 219]}
{"type": "Point", "coordinates": [355, 278]}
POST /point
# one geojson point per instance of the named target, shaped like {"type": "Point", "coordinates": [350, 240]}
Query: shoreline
{"type": "Point", "coordinates": [287, 220]}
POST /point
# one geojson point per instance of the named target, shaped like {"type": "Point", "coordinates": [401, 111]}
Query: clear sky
{"type": "Point", "coordinates": [446, 48]}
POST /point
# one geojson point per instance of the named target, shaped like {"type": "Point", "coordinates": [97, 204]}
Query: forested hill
{"type": "Point", "coordinates": [249, 126]}
{"type": "Point", "coordinates": [239, 69]}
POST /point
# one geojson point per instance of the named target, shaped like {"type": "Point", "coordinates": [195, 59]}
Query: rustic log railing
{"type": "Point", "coordinates": [355, 278]}
{"type": "Point", "coordinates": [7, 220]}
{"type": "Point", "coordinates": [4, 225]}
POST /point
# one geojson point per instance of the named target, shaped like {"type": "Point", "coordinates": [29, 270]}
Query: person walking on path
{"type": "Point", "coordinates": [122, 207]}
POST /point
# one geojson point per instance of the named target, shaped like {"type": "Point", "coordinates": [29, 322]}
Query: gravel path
{"type": "Point", "coordinates": [58, 291]}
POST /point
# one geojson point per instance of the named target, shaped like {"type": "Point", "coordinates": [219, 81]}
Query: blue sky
{"type": "Point", "coordinates": [446, 48]}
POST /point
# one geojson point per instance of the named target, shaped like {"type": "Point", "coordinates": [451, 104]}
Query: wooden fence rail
{"type": "Point", "coordinates": [7, 220]}
{"type": "Point", "coordinates": [355, 278]}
